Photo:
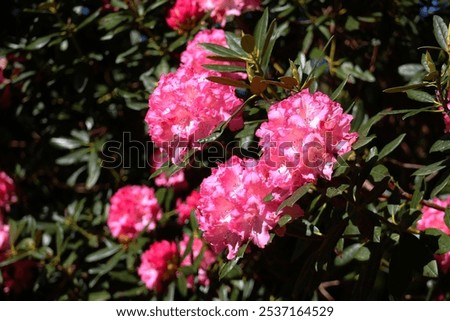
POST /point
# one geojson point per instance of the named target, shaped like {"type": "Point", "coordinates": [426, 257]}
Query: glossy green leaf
{"type": "Point", "coordinates": [440, 30]}
{"type": "Point", "coordinates": [260, 31]}
{"type": "Point", "coordinates": [430, 169]}
{"type": "Point", "coordinates": [291, 200]}
{"type": "Point", "coordinates": [421, 96]}
{"type": "Point", "coordinates": [225, 68]}
{"type": "Point", "coordinates": [221, 51]}
{"type": "Point", "coordinates": [391, 146]}
{"type": "Point", "coordinates": [441, 145]}
{"type": "Point", "coordinates": [103, 253]}
{"type": "Point", "coordinates": [441, 184]}
{"type": "Point", "coordinates": [430, 270]}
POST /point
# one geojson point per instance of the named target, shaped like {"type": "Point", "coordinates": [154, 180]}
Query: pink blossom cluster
{"type": "Point", "coordinates": [184, 15]}
{"type": "Point", "coordinates": [133, 209]}
{"type": "Point", "coordinates": [184, 209]}
{"type": "Point", "coordinates": [238, 204]}
{"type": "Point", "coordinates": [302, 138]}
{"type": "Point", "coordinates": [160, 263]}
{"type": "Point", "coordinates": [434, 218]}
{"type": "Point", "coordinates": [185, 107]}
{"type": "Point", "coordinates": [196, 56]}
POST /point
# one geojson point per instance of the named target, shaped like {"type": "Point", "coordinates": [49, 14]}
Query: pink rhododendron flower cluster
{"type": "Point", "coordinates": [185, 107]}
{"type": "Point", "coordinates": [195, 55]}
{"type": "Point", "coordinates": [184, 209]}
{"type": "Point", "coordinates": [133, 209]}
{"type": "Point", "coordinates": [184, 15]}
{"type": "Point", "coordinates": [233, 206]}
{"type": "Point", "coordinates": [433, 218]}
{"type": "Point", "coordinates": [302, 138]}
{"type": "Point", "coordinates": [160, 262]}
{"type": "Point", "coordinates": [221, 9]}
{"type": "Point", "coordinates": [18, 276]}
{"type": "Point", "coordinates": [7, 192]}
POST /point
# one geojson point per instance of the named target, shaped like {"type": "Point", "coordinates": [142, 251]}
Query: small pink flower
{"type": "Point", "coordinates": [302, 138]}
{"type": "Point", "coordinates": [433, 218]}
{"type": "Point", "coordinates": [184, 15]}
{"type": "Point", "coordinates": [221, 9]}
{"type": "Point", "coordinates": [238, 203]}
{"type": "Point", "coordinates": [195, 56]}
{"type": "Point", "coordinates": [185, 107]}
{"type": "Point", "coordinates": [133, 209]}
{"type": "Point", "coordinates": [184, 209]}
{"type": "Point", "coordinates": [159, 264]}
{"type": "Point", "coordinates": [7, 192]}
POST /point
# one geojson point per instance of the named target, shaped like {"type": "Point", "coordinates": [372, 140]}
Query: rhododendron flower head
{"type": "Point", "coordinates": [221, 9]}
{"type": "Point", "coordinates": [7, 192]}
{"type": "Point", "coordinates": [158, 264]}
{"type": "Point", "coordinates": [184, 15]}
{"type": "Point", "coordinates": [434, 218]}
{"type": "Point", "coordinates": [185, 107]}
{"type": "Point", "coordinates": [302, 138]}
{"type": "Point", "coordinates": [234, 208]}
{"type": "Point", "coordinates": [133, 209]}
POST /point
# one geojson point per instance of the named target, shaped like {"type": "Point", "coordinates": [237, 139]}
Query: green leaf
{"type": "Point", "coordinates": [182, 284]}
{"type": "Point", "coordinates": [88, 20]}
{"type": "Point", "coordinates": [430, 270]}
{"type": "Point", "coordinates": [447, 217]}
{"type": "Point", "coordinates": [71, 181]}
{"type": "Point", "coordinates": [260, 31]}
{"type": "Point", "coordinates": [441, 184]}
{"type": "Point", "coordinates": [379, 172]}
{"type": "Point", "coordinates": [99, 296]}
{"type": "Point", "coordinates": [443, 240]}
{"type": "Point", "coordinates": [418, 194]}
{"type": "Point", "coordinates": [336, 191]}
{"type": "Point", "coordinates": [401, 89]}
{"type": "Point", "coordinates": [363, 141]}
{"type": "Point", "coordinates": [338, 90]}
{"type": "Point", "coordinates": [221, 51]}
{"type": "Point", "coordinates": [225, 68]}
{"type": "Point", "coordinates": [421, 96]}
{"type": "Point", "coordinates": [348, 254]}
{"type": "Point", "coordinates": [41, 42]}
{"type": "Point", "coordinates": [440, 32]}
{"type": "Point", "coordinates": [65, 143]}
{"type": "Point", "coordinates": [284, 220]}
{"type": "Point", "coordinates": [429, 169]}
{"type": "Point", "coordinates": [103, 253]}
{"type": "Point", "coordinates": [123, 56]}
{"type": "Point", "coordinates": [391, 146]}
{"type": "Point", "coordinates": [291, 200]}
{"type": "Point", "coordinates": [93, 169]}
{"type": "Point", "coordinates": [365, 128]}
{"type": "Point", "coordinates": [441, 145]}
{"type": "Point", "coordinates": [136, 105]}
{"type": "Point", "coordinates": [269, 43]}
{"type": "Point", "coordinates": [233, 42]}
{"type": "Point", "coordinates": [77, 156]}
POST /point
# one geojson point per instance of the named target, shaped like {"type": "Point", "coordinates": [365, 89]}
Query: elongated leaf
{"type": "Point", "coordinates": [260, 31]}
{"type": "Point", "coordinates": [290, 201]}
{"type": "Point", "coordinates": [41, 42]}
{"type": "Point", "coordinates": [365, 128]}
{"type": "Point", "coordinates": [103, 253]}
{"type": "Point", "coordinates": [430, 270]}
{"type": "Point", "coordinates": [401, 89]}
{"type": "Point", "coordinates": [269, 43]}
{"type": "Point", "coordinates": [338, 90]}
{"type": "Point", "coordinates": [421, 96]}
{"type": "Point", "coordinates": [225, 68]}
{"type": "Point", "coordinates": [441, 145]}
{"type": "Point", "coordinates": [88, 20]}
{"type": "Point", "coordinates": [230, 265]}
{"type": "Point", "coordinates": [430, 169]}
{"type": "Point", "coordinates": [363, 141]}
{"type": "Point", "coordinates": [391, 146]}
{"type": "Point", "coordinates": [447, 217]}
{"type": "Point", "coordinates": [65, 143]}
{"type": "Point", "coordinates": [93, 169]}
{"type": "Point", "coordinates": [440, 31]}
{"type": "Point", "coordinates": [233, 42]}
{"type": "Point", "coordinates": [441, 184]}
{"type": "Point", "coordinates": [74, 157]}
{"type": "Point", "coordinates": [221, 51]}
